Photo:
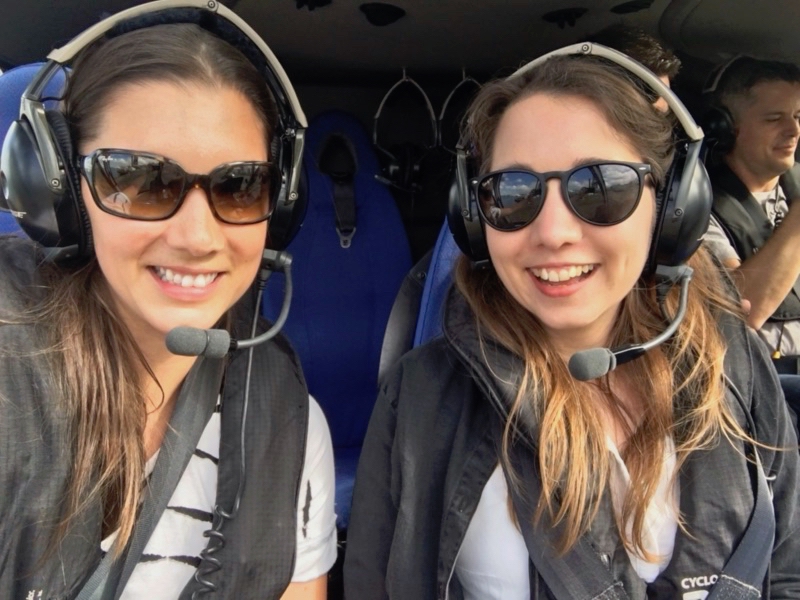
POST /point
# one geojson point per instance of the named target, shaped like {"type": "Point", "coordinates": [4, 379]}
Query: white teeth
{"type": "Point", "coordinates": [197, 281]}
{"type": "Point", "coordinates": [562, 274]}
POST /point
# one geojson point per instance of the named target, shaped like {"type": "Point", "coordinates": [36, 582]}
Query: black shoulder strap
{"type": "Point", "coordinates": [745, 570]}
{"type": "Point", "coordinates": [192, 411]}
{"type": "Point", "coordinates": [337, 161]}
{"type": "Point", "coordinates": [743, 574]}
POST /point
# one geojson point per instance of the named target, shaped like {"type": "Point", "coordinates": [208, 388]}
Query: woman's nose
{"type": "Point", "coordinates": [194, 228]}
{"type": "Point", "coordinates": [556, 224]}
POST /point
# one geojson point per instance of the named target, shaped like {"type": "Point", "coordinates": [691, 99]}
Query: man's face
{"type": "Point", "coordinates": [767, 129]}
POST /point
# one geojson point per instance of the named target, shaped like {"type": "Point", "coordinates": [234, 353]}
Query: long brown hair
{"type": "Point", "coordinates": [681, 379]}
{"type": "Point", "coordinates": [97, 364]}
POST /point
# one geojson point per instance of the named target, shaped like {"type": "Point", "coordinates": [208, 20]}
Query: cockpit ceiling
{"type": "Point", "coordinates": [437, 36]}
{"type": "Point", "coordinates": [719, 29]}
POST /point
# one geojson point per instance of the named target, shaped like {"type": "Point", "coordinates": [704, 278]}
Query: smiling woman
{"type": "Point", "coordinates": [496, 465]}
{"type": "Point", "coordinates": [136, 479]}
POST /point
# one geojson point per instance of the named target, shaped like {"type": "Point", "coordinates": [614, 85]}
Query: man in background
{"type": "Point", "coordinates": [754, 126]}
{"type": "Point", "coordinates": [644, 48]}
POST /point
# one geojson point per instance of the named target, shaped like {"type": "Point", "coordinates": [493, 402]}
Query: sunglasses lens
{"type": "Point", "coordinates": [604, 194]}
{"type": "Point", "coordinates": [242, 193]}
{"type": "Point", "coordinates": [510, 200]}
{"type": "Point", "coordinates": [136, 186]}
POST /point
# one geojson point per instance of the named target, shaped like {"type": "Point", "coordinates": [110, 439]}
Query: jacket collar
{"type": "Point", "coordinates": [495, 369]}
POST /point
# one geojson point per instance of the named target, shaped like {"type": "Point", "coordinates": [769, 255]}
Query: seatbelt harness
{"type": "Point", "coordinates": [193, 409]}
{"type": "Point", "coordinates": [337, 161]}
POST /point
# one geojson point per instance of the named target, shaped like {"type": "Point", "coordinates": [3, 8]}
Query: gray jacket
{"type": "Point", "coordinates": [432, 445]}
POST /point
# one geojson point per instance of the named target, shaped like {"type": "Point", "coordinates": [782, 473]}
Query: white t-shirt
{"type": "Point", "coordinates": [172, 554]}
{"type": "Point", "coordinates": [775, 207]}
{"type": "Point", "coordinates": [492, 563]}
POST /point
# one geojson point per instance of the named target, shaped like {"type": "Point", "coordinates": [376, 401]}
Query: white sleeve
{"type": "Point", "coordinates": [716, 241]}
{"type": "Point", "coordinates": [316, 519]}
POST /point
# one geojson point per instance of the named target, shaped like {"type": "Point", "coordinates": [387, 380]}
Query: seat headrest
{"type": "Point", "coordinates": [337, 157]}
{"type": "Point", "coordinates": [336, 126]}
{"type": "Point", "coordinates": [13, 83]}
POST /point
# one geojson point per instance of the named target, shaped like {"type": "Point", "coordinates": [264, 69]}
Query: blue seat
{"type": "Point", "coordinates": [12, 84]}
{"type": "Point", "coordinates": [343, 293]}
{"type": "Point", "coordinates": [437, 282]}
{"type": "Point", "coordinates": [417, 312]}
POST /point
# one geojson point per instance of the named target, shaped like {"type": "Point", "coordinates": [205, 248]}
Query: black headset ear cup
{"type": "Point", "coordinates": [467, 229]}
{"type": "Point", "coordinates": [287, 219]}
{"type": "Point", "coordinates": [719, 129]}
{"type": "Point", "coordinates": [683, 209]}
{"type": "Point", "coordinates": [48, 216]}
{"type": "Point", "coordinates": [287, 216]}
{"type": "Point", "coordinates": [71, 216]}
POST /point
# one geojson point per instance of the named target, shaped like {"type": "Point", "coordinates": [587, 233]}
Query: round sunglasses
{"type": "Point", "coordinates": [600, 193]}
{"type": "Point", "coordinates": [148, 187]}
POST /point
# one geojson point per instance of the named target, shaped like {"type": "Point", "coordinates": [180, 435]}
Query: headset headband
{"type": "Point", "coordinates": [693, 131]}
{"type": "Point", "coordinates": [683, 202]}
{"type": "Point", "coordinates": [32, 108]}
{"type": "Point", "coordinates": [718, 73]}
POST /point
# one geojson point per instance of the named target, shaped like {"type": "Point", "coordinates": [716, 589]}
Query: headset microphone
{"type": "Point", "coordinates": [216, 343]}
{"type": "Point", "coordinates": [596, 362]}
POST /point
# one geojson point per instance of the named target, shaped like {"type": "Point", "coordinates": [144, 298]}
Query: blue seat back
{"type": "Point", "coordinates": [343, 295]}
{"type": "Point", "coordinates": [437, 283]}
{"type": "Point", "coordinates": [12, 84]}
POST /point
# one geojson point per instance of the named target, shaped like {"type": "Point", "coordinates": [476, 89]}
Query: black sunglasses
{"type": "Point", "coordinates": [148, 187]}
{"type": "Point", "coordinates": [600, 193]}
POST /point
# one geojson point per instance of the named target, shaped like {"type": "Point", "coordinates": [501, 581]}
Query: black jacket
{"type": "Point", "coordinates": [431, 447]}
{"type": "Point", "coordinates": [259, 552]}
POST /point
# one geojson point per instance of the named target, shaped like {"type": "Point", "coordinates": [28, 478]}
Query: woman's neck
{"type": "Point", "coordinates": [162, 392]}
{"type": "Point", "coordinates": [622, 408]}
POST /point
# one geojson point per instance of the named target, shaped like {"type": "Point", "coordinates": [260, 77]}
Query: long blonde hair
{"type": "Point", "coordinates": [681, 379]}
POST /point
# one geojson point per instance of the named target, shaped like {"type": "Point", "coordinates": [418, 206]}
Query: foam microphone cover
{"type": "Point", "coordinates": [591, 364]}
{"type": "Point", "coordinates": [191, 341]}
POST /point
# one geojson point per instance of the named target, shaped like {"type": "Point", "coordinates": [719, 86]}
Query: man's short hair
{"type": "Point", "coordinates": [737, 77]}
{"type": "Point", "coordinates": [640, 46]}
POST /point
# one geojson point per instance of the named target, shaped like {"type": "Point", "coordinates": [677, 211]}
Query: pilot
{"type": "Point", "coordinates": [755, 120]}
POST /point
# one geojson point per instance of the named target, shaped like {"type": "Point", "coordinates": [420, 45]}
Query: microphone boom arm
{"type": "Point", "coordinates": [668, 275]}
{"type": "Point", "coordinates": [596, 362]}
{"type": "Point", "coordinates": [216, 343]}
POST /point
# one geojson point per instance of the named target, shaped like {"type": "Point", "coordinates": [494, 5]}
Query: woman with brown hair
{"type": "Point", "coordinates": [130, 466]}
{"type": "Point", "coordinates": [498, 465]}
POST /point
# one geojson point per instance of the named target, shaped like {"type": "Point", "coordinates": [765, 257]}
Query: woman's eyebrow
{"type": "Point", "coordinates": [583, 160]}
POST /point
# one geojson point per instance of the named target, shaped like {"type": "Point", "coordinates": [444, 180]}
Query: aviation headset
{"type": "Point", "coordinates": [39, 173]}
{"type": "Point", "coordinates": [683, 201]}
{"type": "Point", "coordinates": [718, 121]}
{"type": "Point", "coordinates": [401, 165]}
